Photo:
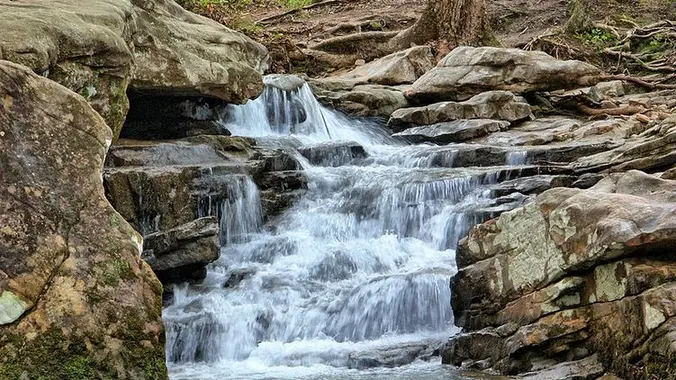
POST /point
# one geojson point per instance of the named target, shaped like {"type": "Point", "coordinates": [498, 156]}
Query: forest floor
{"type": "Point", "coordinates": [288, 27]}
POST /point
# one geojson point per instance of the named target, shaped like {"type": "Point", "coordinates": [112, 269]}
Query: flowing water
{"type": "Point", "coordinates": [355, 274]}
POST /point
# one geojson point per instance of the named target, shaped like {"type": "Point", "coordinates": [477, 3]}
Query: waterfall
{"type": "Point", "coordinates": [360, 263]}
{"type": "Point", "coordinates": [517, 158]}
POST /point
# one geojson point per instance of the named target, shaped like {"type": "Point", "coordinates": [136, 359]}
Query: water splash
{"type": "Point", "coordinates": [517, 158]}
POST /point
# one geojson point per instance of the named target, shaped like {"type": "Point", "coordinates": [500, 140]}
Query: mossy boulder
{"type": "Point", "coordinates": [76, 300]}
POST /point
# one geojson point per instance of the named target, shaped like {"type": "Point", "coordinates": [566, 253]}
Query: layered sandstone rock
{"type": "Point", "coordinates": [575, 273]}
{"type": "Point", "coordinates": [467, 71]}
{"type": "Point", "coordinates": [496, 105]}
{"type": "Point", "coordinates": [76, 300]}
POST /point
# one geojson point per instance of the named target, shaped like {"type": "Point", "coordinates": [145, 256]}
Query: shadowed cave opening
{"type": "Point", "coordinates": [155, 116]}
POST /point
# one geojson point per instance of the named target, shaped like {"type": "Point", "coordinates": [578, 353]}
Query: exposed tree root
{"type": "Point", "coordinates": [630, 109]}
{"type": "Point", "coordinates": [666, 27]}
{"type": "Point", "coordinates": [659, 66]}
{"type": "Point", "coordinates": [332, 60]}
{"type": "Point", "coordinates": [552, 42]}
{"type": "Point", "coordinates": [356, 42]}
{"type": "Point", "coordinates": [639, 81]}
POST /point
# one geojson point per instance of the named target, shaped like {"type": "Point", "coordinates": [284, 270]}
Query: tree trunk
{"type": "Point", "coordinates": [454, 22]}
{"type": "Point", "coordinates": [580, 20]}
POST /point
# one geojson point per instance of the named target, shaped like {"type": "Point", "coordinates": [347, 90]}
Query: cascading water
{"type": "Point", "coordinates": [360, 264]}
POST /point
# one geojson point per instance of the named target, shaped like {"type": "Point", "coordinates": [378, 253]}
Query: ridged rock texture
{"type": "Point", "coordinates": [467, 71]}
{"type": "Point", "coordinates": [574, 274]}
{"type": "Point", "coordinates": [76, 300]}
{"type": "Point", "coordinates": [101, 49]}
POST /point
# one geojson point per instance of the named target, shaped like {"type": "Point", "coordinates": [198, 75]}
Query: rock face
{"type": "Point", "coordinates": [467, 71]}
{"type": "Point", "coordinates": [182, 253]}
{"type": "Point", "coordinates": [575, 273]}
{"type": "Point", "coordinates": [158, 186]}
{"type": "Point", "coordinates": [76, 300]}
{"type": "Point", "coordinates": [496, 105]}
{"type": "Point", "coordinates": [91, 50]}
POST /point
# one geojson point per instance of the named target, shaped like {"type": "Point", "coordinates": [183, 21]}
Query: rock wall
{"type": "Point", "coordinates": [76, 300]}
{"type": "Point", "coordinates": [576, 273]}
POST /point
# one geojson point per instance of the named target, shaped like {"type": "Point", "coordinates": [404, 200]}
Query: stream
{"type": "Point", "coordinates": [351, 282]}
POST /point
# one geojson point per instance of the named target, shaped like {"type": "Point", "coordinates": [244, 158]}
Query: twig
{"type": "Point", "coordinates": [315, 5]}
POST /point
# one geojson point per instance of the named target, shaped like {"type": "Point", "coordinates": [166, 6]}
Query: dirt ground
{"type": "Point", "coordinates": [516, 23]}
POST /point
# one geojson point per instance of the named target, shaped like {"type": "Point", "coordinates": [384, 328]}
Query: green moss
{"type": "Point", "coordinates": [43, 358]}
{"type": "Point", "coordinates": [295, 4]}
{"type": "Point", "coordinates": [155, 369]}
{"type": "Point", "coordinates": [112, 271]}
{"type": "Point", "coordinates": [79, 368]}
{"type": "Point", "coordinates": [10, 371]}
{"type": "Point", "coordinates": [52, 356]}
{"type": "Point", "coordinates": [114, 220]}
{"type": "Point", "coordinates": [376, 25]}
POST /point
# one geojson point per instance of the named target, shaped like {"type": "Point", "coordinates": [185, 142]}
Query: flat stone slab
{"type": "Point", "coordinates": [453, 131]}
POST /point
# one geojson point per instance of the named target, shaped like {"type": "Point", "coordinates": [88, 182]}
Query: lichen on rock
{"type": "Point", "coordinates": [90, 308]}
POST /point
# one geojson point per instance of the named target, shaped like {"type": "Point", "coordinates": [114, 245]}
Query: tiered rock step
{"type": "Point", "coordinates": [165, 186]}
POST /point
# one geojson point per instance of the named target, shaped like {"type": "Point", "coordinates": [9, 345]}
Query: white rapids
{"type": "Point", "coordinates": [360, 265]}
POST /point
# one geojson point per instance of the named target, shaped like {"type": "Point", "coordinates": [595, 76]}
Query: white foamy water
{"type": "Point", "coordinates": [355, 274]}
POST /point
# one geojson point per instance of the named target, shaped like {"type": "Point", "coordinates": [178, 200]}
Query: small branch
{"type": "Point", "coordinates": [293, 11]}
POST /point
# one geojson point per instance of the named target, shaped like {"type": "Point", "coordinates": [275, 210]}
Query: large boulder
{"type": "Point", "coordinates": [85, 48]}
{"type": "Point", "coordinates": [398, 68]}
{"type": "Point", "coordinates": [363, 100]}
{"type": "Point", "coordinates": [467, 71]}
{"type": "Point", "coordinates": [100, 49]}
{"type": "Point", "coordinates": [76, 300]}
{"type": "Point", "coordinates": [496, 105]}
{"type": "Point", "coordinates": [181, 53]}
{"type": "Point", "coordinates": [575, 273]}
